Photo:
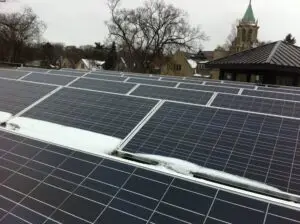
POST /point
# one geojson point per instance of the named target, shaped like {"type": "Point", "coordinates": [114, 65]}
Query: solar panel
{"type": "Point", "coordinates": [101, 85]}
{"type": "Point", "coordinates": [109, 114]}
{"type": "Point", "coordinates": [209, 88]}
{"type": "Point", "coordinates": [231, 85]}
{"type": "Point", "coordinates": [107, 77]}
{"type": "Point", "coordinates": [70, 73]}
{"type": "Point", "coordinates": [142, 76]}
{"type": "Point", "coordinates": [47, 78]}
{"type": "Point", "coordinates": [31, 69]}
{"type": "Point", "coordinates": [16, 96]}
{"type": "Point", "coordinates": [152, 82]}
{"type": "Point", "coordinates": [72, 187]}
{"type": "Point", "coordinates": [174, 94]}
{"type": "Point", "coordinates": [258, 147]}
{"type": "Point", "coordinates": [279, 90]}
{"type": "Point", "coordinates": [275, 95]}
{"type": "Point", "coordinates": [176, 79]}
{"type": "Point", "coordinates": [261, 105]}
{"type": "Point", "coordinates": [12, 74]}
{"type": "Point", "coordinates": [105, 72]}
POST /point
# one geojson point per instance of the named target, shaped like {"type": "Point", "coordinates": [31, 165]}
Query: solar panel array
{"type": "Point", "coordinates": [234, 127]}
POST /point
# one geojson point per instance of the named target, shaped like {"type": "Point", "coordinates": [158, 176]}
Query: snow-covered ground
{"type": "Point", "coordinates": [75, 138]}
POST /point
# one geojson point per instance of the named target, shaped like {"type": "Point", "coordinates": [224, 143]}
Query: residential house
{"type": "Point", "coordinates": [66, 63]}
{"type": "Point", "coordinates": [187, 64]}
{"type": "Point", "coordinates": [87, 64]}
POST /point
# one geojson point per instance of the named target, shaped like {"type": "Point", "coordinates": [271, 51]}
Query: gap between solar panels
{"type": "Point", "coordinates": [220, 177]}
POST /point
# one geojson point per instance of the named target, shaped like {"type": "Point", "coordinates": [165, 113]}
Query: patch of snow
{"type": "Point", "coordinates": [187, 168]}
{"type": "Point", "coordinates": [75, 138]}
{"type": "Point", "coordinates": [86, 63]}
{"type": "Point", "coordinates": [192, 63]}
{"type": "Point", "coordinates": [100, 63]}
{"type": "Point", "coordinates": [4, 116]}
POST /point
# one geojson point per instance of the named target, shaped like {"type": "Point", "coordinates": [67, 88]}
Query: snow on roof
{"type": "Point", "coordinates": [86, 62]}
{"type": "Point", "coordinates": [192, 63]}
{"type": "Point", "coordinates": [91, 63]}
{"type": "Point", "coordinates": [75, 138]}
{"type": "Point", "coordinates": [187, 168]}
{"type": "Point", "coordinates": [4, 116]}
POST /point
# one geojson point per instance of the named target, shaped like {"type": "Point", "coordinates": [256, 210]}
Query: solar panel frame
{"type": "Point", "coordinates": [111, 114]}
{"type": "Point", "coordinates": [261, 105]}
{"type": "Point", "coordinates": [173, 94]}
{"type": "Point", "coordinates": [103, 85]}
{"type": "Point", "coordinates": [96, 197]}
{"type": "Point", "coordinates": [258, 147]}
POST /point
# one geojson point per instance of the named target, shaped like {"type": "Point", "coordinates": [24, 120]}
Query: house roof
{"type": "Point", "coordinates": [277, 53]}
{"type": "Point", "coordinates": [92, 63]}
{"type": "Point", "coordinates": [249, 15]}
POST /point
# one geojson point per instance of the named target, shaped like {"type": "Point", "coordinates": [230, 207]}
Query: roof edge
{"type": "Point", "coordinates": [273, 51]}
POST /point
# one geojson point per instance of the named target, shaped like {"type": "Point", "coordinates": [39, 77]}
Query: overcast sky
{"type": "Point", "coordinates": [76, 22]}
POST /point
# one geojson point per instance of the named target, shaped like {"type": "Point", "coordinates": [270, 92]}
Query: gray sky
{"type": "Point", "coordinates": [76, 22]}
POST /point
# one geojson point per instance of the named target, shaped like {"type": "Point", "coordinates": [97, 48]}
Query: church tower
{"type": "Point", "coordinates": [247, 31]}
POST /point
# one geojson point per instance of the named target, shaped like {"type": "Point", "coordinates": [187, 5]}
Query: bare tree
{"type": "Point", "coordinates": [151, 31]}
{"type": "Point", "coordinates": [18, 29]}
{"type": "Point", "coordinates": [231, 38]}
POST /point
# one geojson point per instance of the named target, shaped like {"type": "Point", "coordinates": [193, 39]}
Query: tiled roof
{"type": "Point", "coordinates": [276, 53]}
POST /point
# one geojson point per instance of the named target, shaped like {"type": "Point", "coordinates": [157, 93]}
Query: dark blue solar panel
{"type": "Point", "coordinates": [152, 82]}
{"type": "Point", "coordinates": [102, 85]}
{"type": "Point", "coordinates": [210, 88]}
{"type": "Point", "coordinates": [258, 147]}
{"type": "Point", "coordinates": [275, 95]}
{"type": "Point", "coordinates": [261, 105]}
{"type": "Point", "coordinates": [106, 191]}
{"type": "Point", "coordinates": [110, 114]}
{"type": "Point", "coordinates": [182, 95]}
{"type": "Point", "coordinates": [235, 85]}
{"type": "Point", "coordinates": [48, 78]}
{"type": "Point", "coordinates": [281, 90]}
{"type": "Point", "coordinates": [12, 74]}
{"type": "Point", "coordinates": [106, 77]}
{"type": "Point", "coordinates": [76, 73]}
{"type": "Point", "coordinates": [16, 96]}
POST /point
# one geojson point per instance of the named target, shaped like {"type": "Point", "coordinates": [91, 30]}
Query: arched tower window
{"type": "Point", "coordinates": [250, 35]}
{"type": "Point", "coordinates": [243, 34]}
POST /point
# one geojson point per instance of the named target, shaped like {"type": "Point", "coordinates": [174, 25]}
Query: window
{"type": "Point", "coordinates": [177, 67]}
{"type": "Point", "coordinates": [249, 35]}
{"type": "Point", "coordinates": [201, 66]}
{"type": "Point", "coordinates": [243, 34]}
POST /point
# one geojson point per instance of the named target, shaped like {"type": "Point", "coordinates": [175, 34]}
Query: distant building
{"type": "Point", "coordinates": [275, 63]}
{"type": "Point", "coordinates": [65, 63]}
{"type": "Point", "coordinates": [87, 64]}
{"type": "Point", "coordinates": [247, 31]}
{"type": "Point", "coordinates": [187, 64]}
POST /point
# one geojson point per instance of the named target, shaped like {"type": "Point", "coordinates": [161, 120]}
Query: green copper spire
{"type": "Point", "coordinates": [249, 15]}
